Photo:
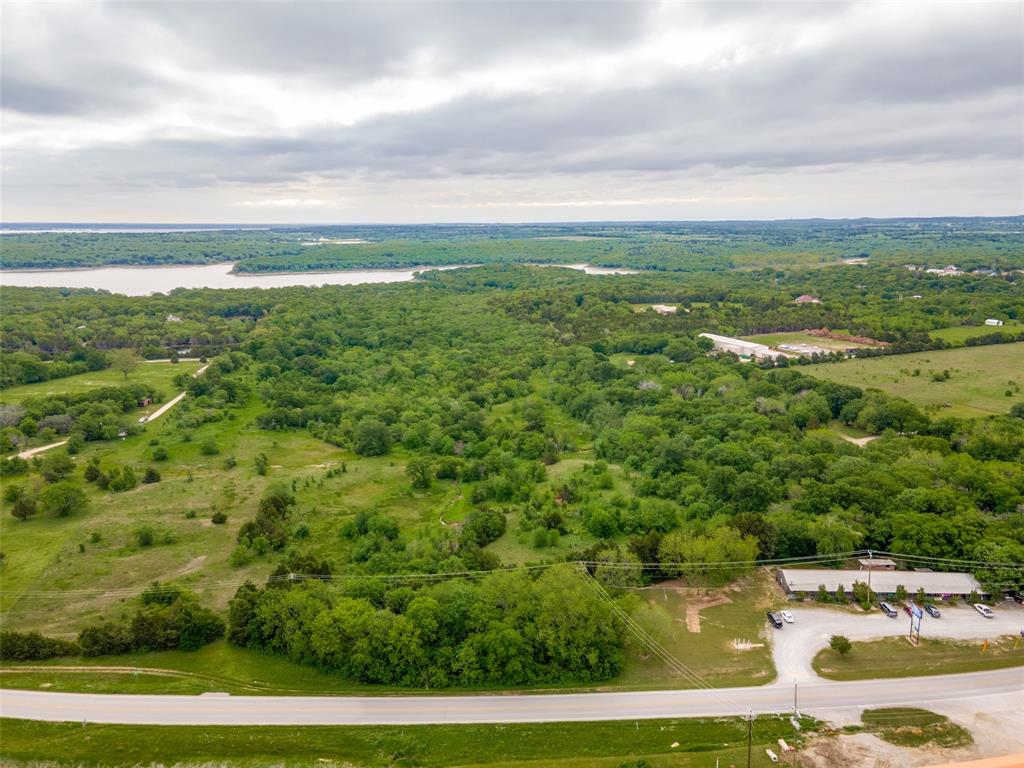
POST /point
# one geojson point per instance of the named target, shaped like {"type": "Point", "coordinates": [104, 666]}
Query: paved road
{"type": "Point", "coordinates": [815, 699]}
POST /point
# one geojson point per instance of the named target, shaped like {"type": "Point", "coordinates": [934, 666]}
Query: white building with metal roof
{"type": "Point", "coordinates": [936, 584]}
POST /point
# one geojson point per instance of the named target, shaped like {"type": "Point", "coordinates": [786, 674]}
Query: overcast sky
{"type": "Point", "coordinates": [330, 112]}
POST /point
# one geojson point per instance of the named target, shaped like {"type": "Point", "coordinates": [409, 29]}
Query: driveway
{"type": "Point", "coordinates": [794, 646]}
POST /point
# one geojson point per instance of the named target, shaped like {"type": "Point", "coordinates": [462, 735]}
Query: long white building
{"type": "Point", "coordinates": [936, 584]}
{"type": "Point", "coordinates": [745, 349]}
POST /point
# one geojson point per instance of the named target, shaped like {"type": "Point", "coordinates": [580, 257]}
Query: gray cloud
{"type": "Point", "coordinates": [927, 91]}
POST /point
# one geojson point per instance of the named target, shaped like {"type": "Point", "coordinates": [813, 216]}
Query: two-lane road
{"type": "Point", "coordinates": [815, 699]}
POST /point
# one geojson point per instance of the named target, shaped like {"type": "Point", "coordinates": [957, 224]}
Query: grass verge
{"type": "Point", "coordinates": [895, 657]}
{"type": "Point", "coordinates": [602, 744]}
{"type": "Point", "coordinates": [912, 727]}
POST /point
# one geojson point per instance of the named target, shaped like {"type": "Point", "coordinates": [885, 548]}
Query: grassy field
{"type": "Point", "coordinates": [223, 667]}
{"type": "Point", "coordinates": [735, 613]}
{"type": "Point", "coordinates": [959, 334]}
{"type": "Point", "coordinates": [159, 375]}
{"type": "Point", "coordinates": [912, 727]}
{"type": "Point", "coordinates": [60, 572]}
{"type": "Point", "coordinates": [561, 745]}
{"type": "Point", "coordinates": [895, 657]}
{"type": "Point", "coordinates": [802, 337]}
{"type": "Point", "coordinates": [979, 378]}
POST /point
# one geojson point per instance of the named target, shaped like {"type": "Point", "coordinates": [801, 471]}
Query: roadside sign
{"type": "Point", "coordinates": [917, 612]}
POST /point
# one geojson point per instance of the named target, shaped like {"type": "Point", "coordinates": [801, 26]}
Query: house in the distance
{"type": "Point", "coordinates": [993, 321]}
{"type": "Point", "coordinates": [807, 299]}
{"type": "Point", "coordinates": [664, 309]}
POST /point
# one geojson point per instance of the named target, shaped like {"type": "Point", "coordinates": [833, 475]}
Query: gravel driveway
{"type": "Point", "coordinates": [794, 646]}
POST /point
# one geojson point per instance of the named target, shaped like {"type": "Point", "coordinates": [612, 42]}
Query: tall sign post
{"type": "Point", "coordinates": [915, 624]}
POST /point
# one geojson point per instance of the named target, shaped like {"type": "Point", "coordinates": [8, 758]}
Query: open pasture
{"type": "Point", "coordinates": [983, 381]}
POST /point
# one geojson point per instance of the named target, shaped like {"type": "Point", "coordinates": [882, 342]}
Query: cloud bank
{"type": "Point", "coordinates": [328, 112]}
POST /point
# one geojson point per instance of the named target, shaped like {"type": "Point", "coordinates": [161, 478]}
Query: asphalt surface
{"type": "Point", "coordinates": [815, 699]}
{"type": "Point", "coordinates": [795, 645]}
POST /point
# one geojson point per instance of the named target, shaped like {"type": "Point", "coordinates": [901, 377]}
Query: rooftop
{"type": "Point", "coordinates": [933, 583]}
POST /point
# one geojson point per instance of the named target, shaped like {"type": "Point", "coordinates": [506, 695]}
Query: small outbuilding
{"type": "Point", "coordinates": [807, 299]}
{"type": "Point", "coordinates": [877, 564]}
{"type": "Point", "coordinates": [993, 321]}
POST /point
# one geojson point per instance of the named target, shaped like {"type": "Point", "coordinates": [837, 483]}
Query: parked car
{"type": "Point", "coordinates": [932, 611]}
{"type": "Point", "coordinates": [888, 610]}
{"type": "Point", "coordinates": [1017, 598]}
{"type": "Point", "coordinates": [908, 608]}
{"type": "Point", "coordinates": [984, 610]}
{"type": "Point", "coordinates": [787, 617]}
{"type": "Point", "coordinates": [775, 619]}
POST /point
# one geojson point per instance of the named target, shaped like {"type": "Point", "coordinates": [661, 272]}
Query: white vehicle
{"type": "Point", "coordinates": [787, 617]}
{"type": "Point", "coordinates": [984, 610]}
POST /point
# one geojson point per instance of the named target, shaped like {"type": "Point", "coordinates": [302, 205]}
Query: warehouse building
{"type": "Point", "coordinates": [937, 585]}
{"type": "Point", "coordinates": [745, 350]}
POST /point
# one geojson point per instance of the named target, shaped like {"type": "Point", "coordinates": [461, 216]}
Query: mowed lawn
{"type": "Point", "coordinates": [159, 375]}
{"type": "Point", "coordinates": [979, 378]}
{"type": "Point", "coordinates": [895, 657]}
{"type": "Point", "coordinates": [655, 743]}
{"type": "Point", "coordinates": [958, 334]}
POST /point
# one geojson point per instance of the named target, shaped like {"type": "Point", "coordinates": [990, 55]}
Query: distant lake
{"type": "Point", "coordinates": [143, 281]}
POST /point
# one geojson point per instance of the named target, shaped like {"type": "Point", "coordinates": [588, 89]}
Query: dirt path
{"type": "Point", "coordinates": [171, 403]}
{"type": "Point", "coordinates": [33, 451]}
{"type": "Point", "coordinates": [696, 605]}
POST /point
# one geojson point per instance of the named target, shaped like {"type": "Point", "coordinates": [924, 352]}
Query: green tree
{"type": "Point", "coordinates": [840, 644]}
{"type": "Point", "coordinates": [124, 360]}
{"type": "Point", "coordinates": [420, 472]}
{"type": "Point", "coordinates": [62, 499]}
{"type": "Point", "coordinates": [371, 438]}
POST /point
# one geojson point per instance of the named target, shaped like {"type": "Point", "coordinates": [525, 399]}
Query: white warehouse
{"type": "Point", "coordinates": [936, 584]}
{"type": "Point", "coordinates": [745, 349]}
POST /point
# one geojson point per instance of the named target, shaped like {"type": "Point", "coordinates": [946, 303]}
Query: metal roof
{"type": "Point", "coordinates": [934, 583]}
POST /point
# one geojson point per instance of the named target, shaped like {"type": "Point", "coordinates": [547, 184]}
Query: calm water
{"type": "Point", "coordinates": [143, 281]}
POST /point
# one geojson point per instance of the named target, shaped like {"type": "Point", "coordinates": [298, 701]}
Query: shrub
{"type": "Point", "coordinates": [209, 447]}
{"type": "Point", "coordinates": [161, 594]}
{"type": "Point", "coordinates": [125, 480]}
{"type": "Point", "coordinates": [151, 476]}
{"type": "Point", "coordinates": [32, 646]}
{"type": "Point", "coordinates": [145, 536]}
{"type": "Point", "coordinates": [160, 453]}
{"type": "Point", "coordinates": [62, 499]}
{"type": "Point", "coordinates": [840, 644]}
{"type": "Point", "coordinates": [104, 639]}
{"type": "Point", "coordinates": [218, 518]}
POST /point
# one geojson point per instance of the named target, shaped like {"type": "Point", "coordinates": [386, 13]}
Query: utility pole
{"type": "Point", "coordinates": [795, 709]}
{"type": "Point", "coordinates": [871, 567]}
{"type": "Point", "coordinates": [750, 735]}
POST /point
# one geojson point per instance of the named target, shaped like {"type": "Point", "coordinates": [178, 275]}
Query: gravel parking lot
{"type": "Point", "coordinates": [794, 646]}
